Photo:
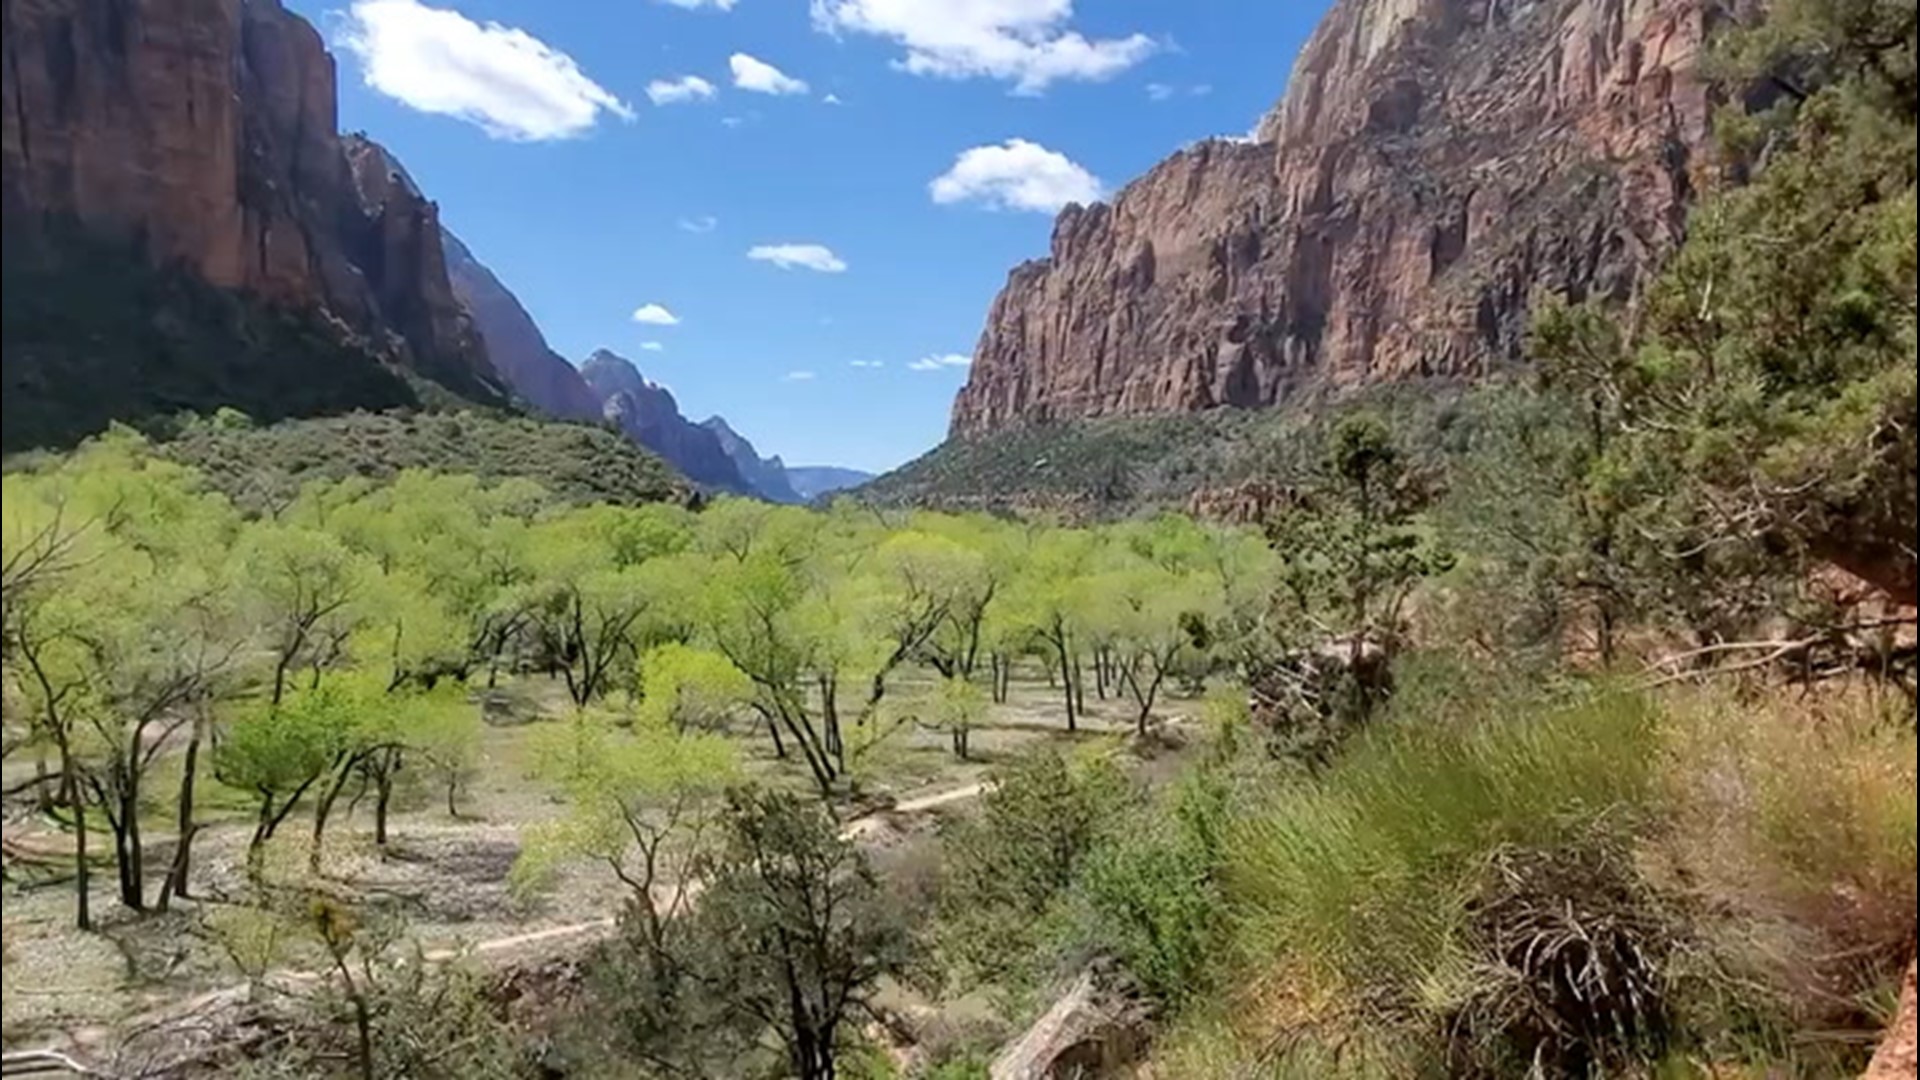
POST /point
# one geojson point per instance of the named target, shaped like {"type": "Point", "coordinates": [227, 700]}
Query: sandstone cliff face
{"type": "Point", "coordinates": [1434, 167]}
{"type": "Point", "coordinates": [516, 346]}
{"type": "Point", "coordinates": [649, 415]}
{"type": "Point", "coordinates": [204, 133]}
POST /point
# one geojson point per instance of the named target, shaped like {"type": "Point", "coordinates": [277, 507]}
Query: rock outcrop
{"type": "Point", "coordinates": [1434, 166]}
{"type": "Point", "coordinates": [766, 476]}
{"type": "Point", "coordinates": [649, 415]}
{"type": "Point", "coordinates": [202, 134]}
{"type": "Point", "coordinates": [541, 377]}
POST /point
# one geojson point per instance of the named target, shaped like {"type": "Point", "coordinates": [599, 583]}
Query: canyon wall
{"type": "Point", "coordinates": [1434, 167]}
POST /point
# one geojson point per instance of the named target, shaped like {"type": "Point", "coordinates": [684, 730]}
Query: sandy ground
{"type": "Point", "coordinates": [448, 877]}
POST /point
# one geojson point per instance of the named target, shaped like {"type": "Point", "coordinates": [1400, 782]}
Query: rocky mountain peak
{"type": "Point", "coordinates": [1433, 166]}
{"type": "Point", "coordinates": [647, 412]}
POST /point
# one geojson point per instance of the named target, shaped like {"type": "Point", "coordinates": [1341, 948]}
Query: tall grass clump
{"type": "Point", "coordinates": [1493, 883]}
{"type": "Point", "coordinates": [1364, 880]}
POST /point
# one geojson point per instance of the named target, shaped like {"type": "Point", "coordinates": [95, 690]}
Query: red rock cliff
{"type": "Point", "coordinates": [204, 131]}
{"type": "Point", "coordinates": [1433, 167]}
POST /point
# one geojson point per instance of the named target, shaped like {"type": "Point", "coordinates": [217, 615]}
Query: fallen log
{"type": "Point", "coordinates": [1097, 1030]}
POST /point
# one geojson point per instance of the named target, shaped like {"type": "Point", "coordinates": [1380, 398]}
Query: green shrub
{"type": "Point", "coordinates": [1150, 896]}
{"type": "Point", "coordinates": [1008, 869]}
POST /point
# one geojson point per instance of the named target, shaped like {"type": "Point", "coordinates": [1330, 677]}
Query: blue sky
{"type": "Point", "coordinates": [803, 238]}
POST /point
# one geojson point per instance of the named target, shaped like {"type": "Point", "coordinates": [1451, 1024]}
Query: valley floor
{"type": "Point", "coordinates": [450, 877]}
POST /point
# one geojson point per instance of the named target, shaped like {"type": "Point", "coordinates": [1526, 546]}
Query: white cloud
{"type": "Point", "coordinates": [508, 82]}
{"type": "Point", "coordinates": [1024, 42]}
{"type": "Point", "coordinates": [695, 5]}
{"type": "Point", "coordinates": [652, 346]}
{"type": "Point", "coordinates": [758, 76]}
{"type": "Point", "coordinates": [832, 99]}
{"type": "Point", "coordinates": [941, 362]}
{"type": "Point", "coordinates": [705, 223]}
{"type": "Point", "coordinates": [680, 91]}
{"type": "Point", "coordinates": [1017, 175]}
{"type": "Point", "coordinates": [815, 257]}
{"type": "Point", "coordinates": [655, 315]}
{"type": "Point", "coordinates": [1160, 92]}
{"type": "Point", "coordinates": [867, 365]}
{"type": "Point", "coordinates": [798, 376]}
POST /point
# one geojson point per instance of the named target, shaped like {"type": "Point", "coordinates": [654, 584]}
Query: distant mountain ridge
{"type": "Point", "coordinates": [810, 482]}
{"type": "Point", "coordinates": [647, 412]}
{"type": "Point", "coordinates": [610, 389]}
{"type": "Point", "coordinates": [768, 476]}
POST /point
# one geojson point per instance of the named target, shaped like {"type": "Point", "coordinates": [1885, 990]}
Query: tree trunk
{"type": "Point", "coordinates": [321, 811]}
{"type": "Point", "coordinates": [43, 791]}
{"type": "Point", "coordinates": [176, 871]}
{"type": "Point", "coordinates": [177, 883]}
{"type": "Point", "coordinates": [830, 705]}
{"type": "Point", "coordinates": [133, 877]}
{"type": "Point", "coordinates": [1073, 717]}
{"type": "Point", "coordinates": [76, 800]}
{"type": "Point", "coordinates": [363, 1032]}
{"type": "Point", "coordinates": [779, 743]}
{"type": "Point", "coordinates": [382, 799]}
{"type": "Point", "coordinates": [1079, 684]}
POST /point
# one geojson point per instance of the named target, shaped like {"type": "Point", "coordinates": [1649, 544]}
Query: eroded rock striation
{"type": "Point", "coordinates": [203, 134]}
{"type": "Point", "coordinates": [1434, 167]}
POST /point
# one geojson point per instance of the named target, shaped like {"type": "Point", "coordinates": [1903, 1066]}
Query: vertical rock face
{"type": "Point", "coordinates": [516, 346]}
{"type": "Point", "coordinates": [1434, 166]}
{"type": "Point", "coordinates": [396, 243]}
{"type": "Point", "coordinates": [203, 133]}
{"type": "Point", "coordinates": [648, 414]}
{"type": "Point", "coordinates": [767, 476]}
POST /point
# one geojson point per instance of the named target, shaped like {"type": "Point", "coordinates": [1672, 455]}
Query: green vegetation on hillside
{"type": "Point", "coordinates": [266, 466]}
{"type": "Point", "coordinates": [1116, 466]}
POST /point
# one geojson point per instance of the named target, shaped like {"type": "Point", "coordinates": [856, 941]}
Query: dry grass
{"type": "Point", "coordinates": [1791, 848]}
{"type": "Point", "coordinates": [1762, 885]}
